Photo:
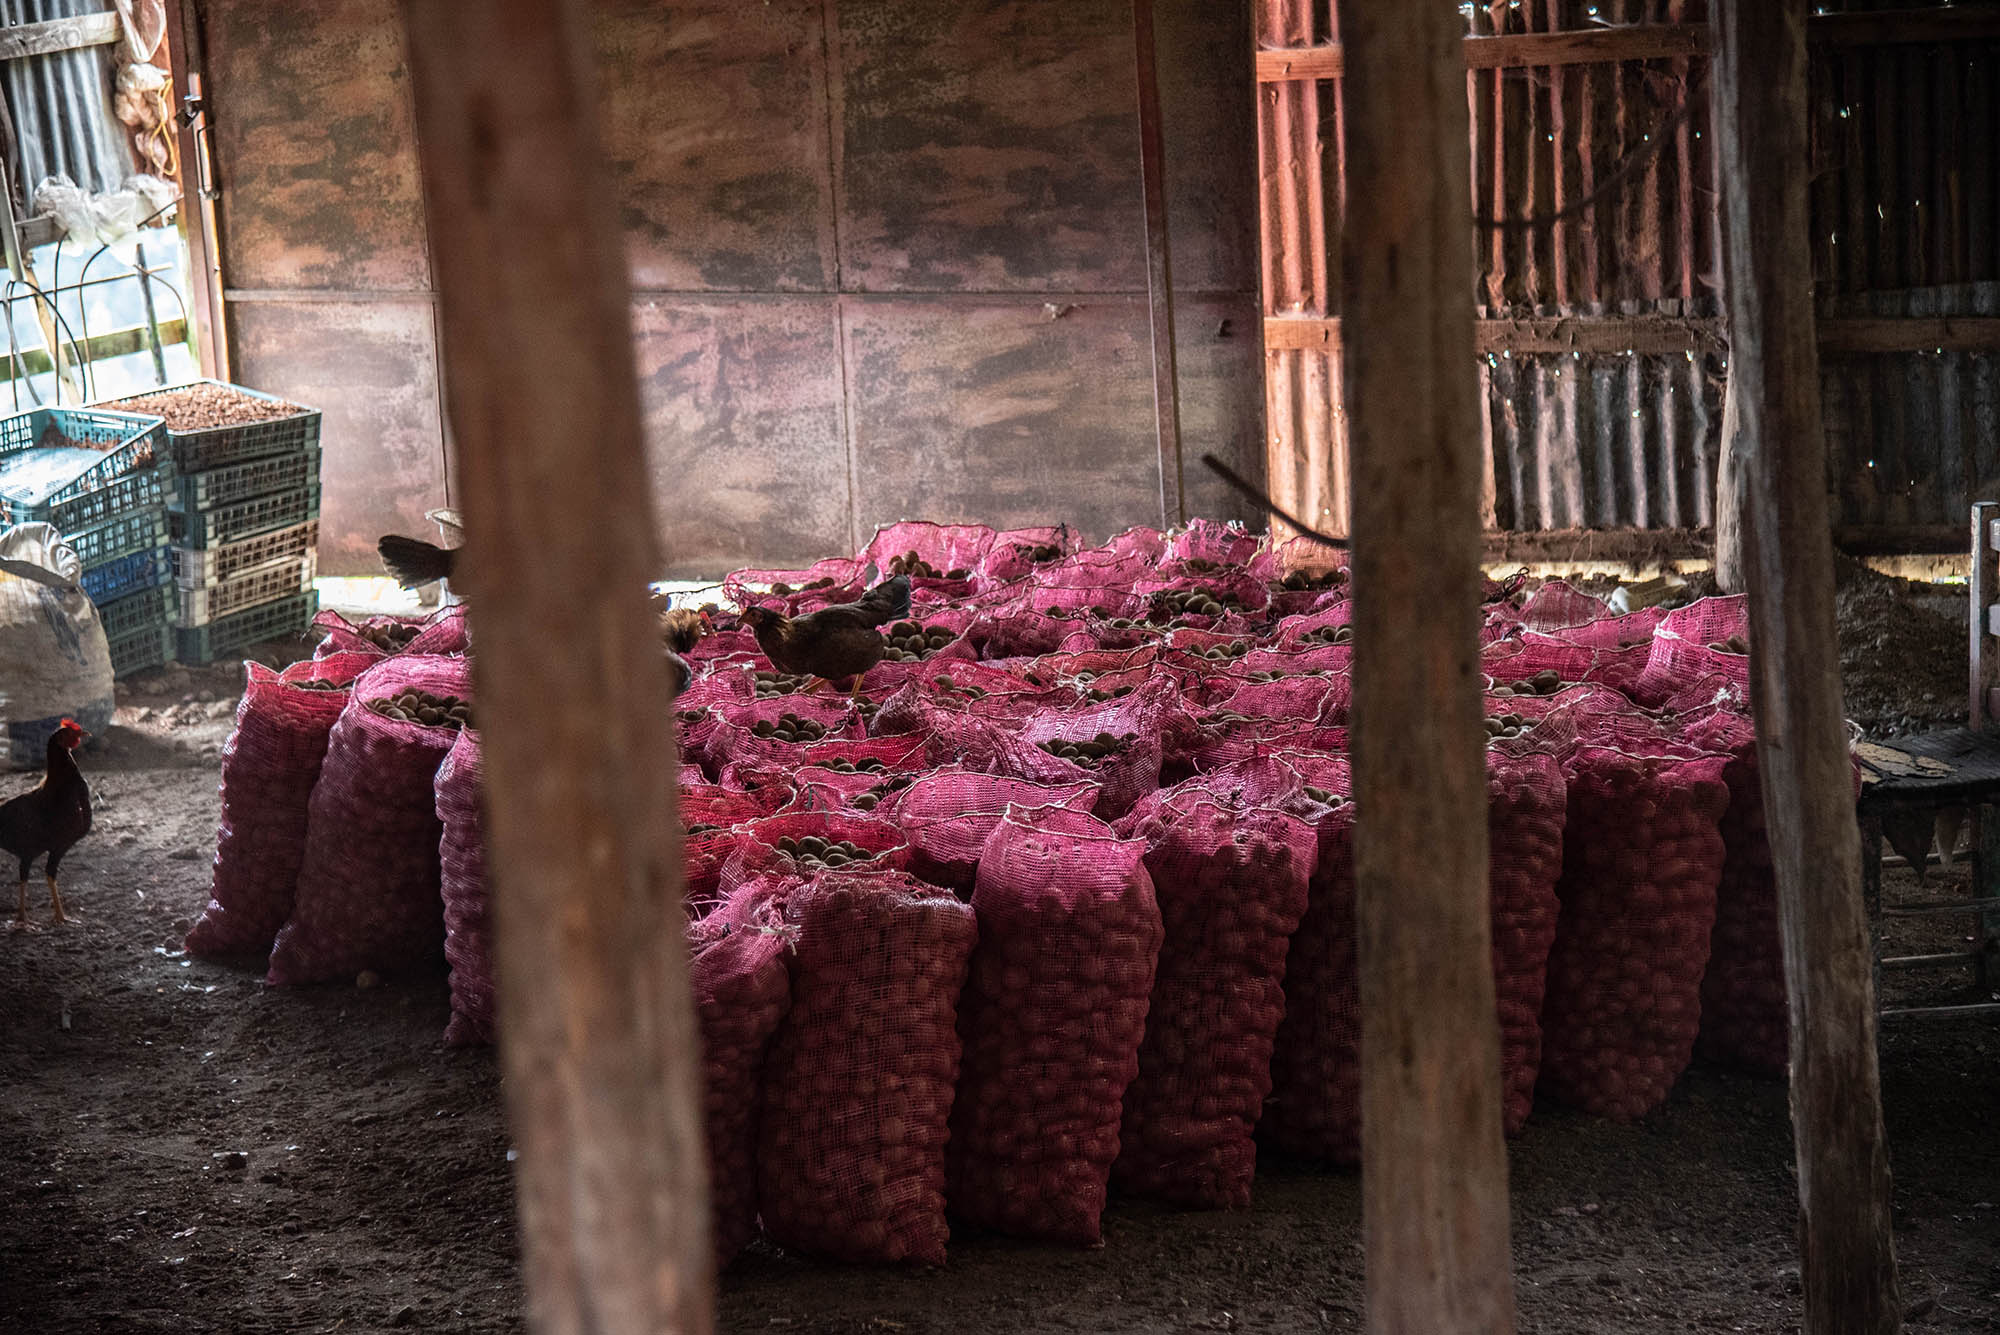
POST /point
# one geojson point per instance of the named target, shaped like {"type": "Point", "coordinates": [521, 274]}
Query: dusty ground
{"type": "Point", "coordinates": [183, 1151]}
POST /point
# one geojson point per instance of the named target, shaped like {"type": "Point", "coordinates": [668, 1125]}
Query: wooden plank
{"type": "Point", "coordinates": [116, 343]}
{"type": "Point", "coordinates": [1847, 1252]}
{"type": "Point", "coordinates": [1943, 333]}
{"type": "Point", "coordinates": [20, 40]}
{"type": "Point", "coordinates": [1582, 46]}
{"type": "Point", "coordinates": [199, 224]}
{"type": "Point", "coordinates": [1893, 27]}
{"type": "Point", "coordinates": [1159, 268]}
{"type": "Point", "coordinates": [1984, 591]}
{"type": "Point", "coordinates": [1434, 1170]}
{"type": "Point", "coordinates": [598, 1044]}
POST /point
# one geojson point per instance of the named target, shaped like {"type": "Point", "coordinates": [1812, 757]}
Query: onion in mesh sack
{"type": "Point", "coordinates": [1642, 855]}
{"type": "Point", "coordinates": [468, 922]}
{"type": "Point", "coordinates": [369, 895]}
{"type": "Point", "coordinates": [1231, 885]}
{"type": "Point", "coordinates": [858, 1085]}
{"type": "Point", "coordinates": [1052, 1016]}
{"type": "Point", "coordinates": [269, 766]}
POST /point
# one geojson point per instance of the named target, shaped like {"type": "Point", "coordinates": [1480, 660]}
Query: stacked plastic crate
{"type": "Point", "coordinates": [243, 514]}
{"type": "Point", "coordinates": [102, 478]}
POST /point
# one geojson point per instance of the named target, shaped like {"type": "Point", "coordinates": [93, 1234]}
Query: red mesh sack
{"type": "Point", "coordinates": [1642, 855]}
{"type": "Point", "coordinates": [1558, 605]}
{"type": "Point", "coordinates": [757, 855]}
{"type": "Point", "coordinates": [1626, 632]}
{"type": "Point", "coordinates": [341, 636]}
{"type": "Point", "coordinates": [835, 580]}
{"type": "Point", "coordinates": [1521, 657]}
{"type": "Point", "coordinates": [447, 631]}
{"type": "Point", "coordinates": [987, 745]}
{"type": "Point", "coordinates": [742, 991]}
{"type": "Point", "coordinates": [750, 730]}
{"type": "Point", "coordinates": [1319, 697]}
{"type": "Point", "coordinates": [858, 1084]}
{"type": "Point", "coordinates": [1052, 1017]}
{"type": "Point", "coordinates": [468, 927]}
{"type": "Point", "coordinates": [955, 551]}
{"type": "Point", "coordinates": [948, 815]}
{"type": "Point", "coordinates": [1231, 885]}
{"type": "Point", "coordinates": [731, 647]}
{"type": "Point", "coordinates": [1745, 1017]}
{"type": "Point", "coordinates": [720, 685]}
{"type": "Point", "coordinates": [1222, 743]}
{"type": "Point", "coordinates": [1015, 553]}
{"type": "Point", "coordinates": [1147, 544]}
{"type": "Point", "coordinates": [369, 895]}
{"type": "Point", "coordinates": [269, 766]}
{"type": "Point", "coordinates": [1527, 804]}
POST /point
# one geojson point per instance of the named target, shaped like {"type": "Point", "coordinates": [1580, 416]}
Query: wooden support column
{"type": "Point", "coordinates": [1846, 1251]}
{"type": "Point", "coordinates": [596, 1028]}
{"type": "Point", "coordinates": [1434, 1168]}
{"type": "Point", "coordinates": [1159, 269]}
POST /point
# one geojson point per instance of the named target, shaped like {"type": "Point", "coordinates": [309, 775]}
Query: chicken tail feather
{"type": "Point", "coordinates": [414, 562]}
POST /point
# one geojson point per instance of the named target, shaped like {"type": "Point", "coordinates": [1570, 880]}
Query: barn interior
{"type": "Point", "coordinates": [1642, 401]}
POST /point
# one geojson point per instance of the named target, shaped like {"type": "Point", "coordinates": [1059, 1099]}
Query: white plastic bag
{"type": "Point", "coordinates": [54, 661]}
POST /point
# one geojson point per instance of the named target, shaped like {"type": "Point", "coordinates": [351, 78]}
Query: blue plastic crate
{"type": "Point", "coordinates": [140, 531]}
{"type": "Point", "coordinates": [138, 611]}
{"type": "Point", "coordinates": [240, 482]}
{"type": "Point", "coordinates": [72, 467]}
{"type": "Point", "coordinates": [228, 523]}
{"type": "Point", "coordinates": [280, 619]}
{"type": "Point", "coordinates": [137, 650]}
{"type": "Point", "coordinates": [216, 446]}
{"type": "Point", "coordinates": [131, 573]}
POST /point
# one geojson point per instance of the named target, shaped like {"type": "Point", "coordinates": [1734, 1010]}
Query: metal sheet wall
{"type": "Point", "coordinates": [888, 256]}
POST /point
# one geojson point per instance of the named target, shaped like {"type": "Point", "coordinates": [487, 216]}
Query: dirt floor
{"type": "Point", "coordinates": [184, 1151]}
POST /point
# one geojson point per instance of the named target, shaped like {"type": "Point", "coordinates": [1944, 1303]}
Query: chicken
{"type": "Point", "coordinates": [49, 818]}
{"type": "Point", "coordinates": [414, 562]}
{"type": "Point", "coordinates": [834, 642]}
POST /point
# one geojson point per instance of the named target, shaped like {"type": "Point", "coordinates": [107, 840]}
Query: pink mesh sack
{"type": "Point", "coordinates": [380, 636]}
{"type": "Point", "coordinates": [769, 730]}
{"type": "Point", "coordinates": [447, 631]}
{"type": "Point", "coordinates": [1119, 742]}
{"type": "Point", "coordinates": [1527, 804]}
{"type": "Point", "coordinates": [468, 926]}
{"type": "Point", "coordinates": [1015, 553]}
{"type": "Point", "coordinates": [1700, 654]}
{"type": "Point", "coordinates": [720, 685]}
{"type": "Point", "coordinates": [1214, 542]}
{"type": "Point", "coordinates": [269, 766]}
{"type": "Point", "coordinates": [1052, 1017]}
{"type": "Point", "coordinates": [369, 889]}
{"type": "Point", "coordinates": [734, 648]}
{"type": "Point", "coordinates": [742, 991]}
{"type": "Point", "coordinates": [835, 580]}
{"type": "Point", "coordinates": [760, 850]}
{"type": "Point", "coordinates": [858, 1085]}
{"type": "Point", "coordinates": [1232, 886]}
{"type": "Point", "coordinates": [1557, 606]}
{"type": "Point", "coordinates": [954, 551]}
{"type": "Point", "coordinates": [1642, 855]}
{"type": "Point", "coordinates": [1626, 632]}
{"type": "Point", "coordinates": [1520, 658]}
{"type": "Point", "coordinates": [948, 815]}
{"type": "Point", "coordinates": [1745, 1017]}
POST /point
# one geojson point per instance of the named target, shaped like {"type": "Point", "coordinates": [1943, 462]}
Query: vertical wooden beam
{"type": "Point", "coordinates": [1159, 268]}
{"type": "Point", "coordinates": [199, 225]}
{"type": "Point", "coordinates": [597, 1036]}
{"type": "Point", "coordinates": [1846, 1251]}
{"type": "Point", "coordinates": [1434, 1169]}
{"type": "Point", "coordinates": [1736, 449]}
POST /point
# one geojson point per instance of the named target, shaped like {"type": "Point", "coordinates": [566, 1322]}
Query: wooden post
{"type": "Point", "coordinates": [1846, 1251]}
{"type": "Point", "coordinates": [597, 1036]}
{"type": "Point", "coordinates": [1159, 269]}
{"type": "Point", "coordinates": [1729, 574]}
{"type": "Point", "coordinates": [1434, 1168]}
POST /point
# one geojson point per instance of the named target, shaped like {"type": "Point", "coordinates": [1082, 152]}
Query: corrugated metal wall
{"type": "Point", "coordinates": [1602, 356]}
{"type": "Point", "coordinates": [888, 259]}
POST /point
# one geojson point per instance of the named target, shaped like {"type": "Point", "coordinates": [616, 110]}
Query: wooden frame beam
{"type": "Point", "coordinates": [596, 1026]}
{"type": "Point", "coordinates": [1848, 1265]}
{"type": "Point", "coordinates": [53, 36]}
{"type": "Point", "coordinates": [1664, 334]}
{"type": "Point", "coordinates": [1434, 1168]}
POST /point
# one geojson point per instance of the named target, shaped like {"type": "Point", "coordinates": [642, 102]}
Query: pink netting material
{"type": "Point", "coordinates": [858, 1084]}
{"type": "Point", "coordinates": [950, 813]}
{"type": "Point", "coordinates": [756, 853]}
{"type": "Point", "coordinates": [269, 766]}
{"type": "Point", "coordinates": [742, 991]}
{"type": "Point", "coordinates": [1692, 662]}
{"type": "Point", "coordinates": [468, 922]}
{"type": "Point", "coordinates": [1231, 882]}
{"type": "Point", "coordinates": [1052, 1017]}
{"type": "Point", "coordinates": [369, 888]}
{"type": "Point", "coordinates": [1642, 855]}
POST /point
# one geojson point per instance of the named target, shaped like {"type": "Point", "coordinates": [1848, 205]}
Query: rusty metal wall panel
{"type": "Point", "coordinates": [1602, 442]}
{"type": "Point", "coordinates": [370, 367]}
{"type": "Point", "coordinates": [988, 146]}
{"type": "Point", "coordinates": [715, 123]}
{"type": "Point", "coordinates": [745, 440]}
{"type": "Point", "coordinates": [990, 410]}
{"type": "Point", "coordinates": [316, 146]}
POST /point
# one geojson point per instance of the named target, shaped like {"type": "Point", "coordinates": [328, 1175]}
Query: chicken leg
{"type": "Point", "coordinates": [55, 900]}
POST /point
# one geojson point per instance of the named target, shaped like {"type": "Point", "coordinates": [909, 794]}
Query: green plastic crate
{"type": "Point", "coordinates": [72, 467]}
{"type": "Point", "coordinates": [138, 611]}
{"type": "Point", "coordinates": [268, 621]}
{"type": "Point", "coordinates": [141, 531]}
{"type": "Point", "coordinates": [205, 567]}
{"type": "Point", "coordinates": [219, 446]}
{"type": "Point", "coordinates": [240, 482]}
{"type": "Point", "coordinates": [135, 651]}
{"type": "Point", "coordinates": [260, 584]}
{"type": "Point", "coordinates": [229, 523]}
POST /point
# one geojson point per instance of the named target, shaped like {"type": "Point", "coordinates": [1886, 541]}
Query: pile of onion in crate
{"type": "Point", "coordinates": [1064, 904]}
